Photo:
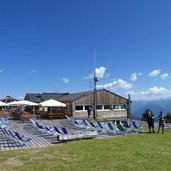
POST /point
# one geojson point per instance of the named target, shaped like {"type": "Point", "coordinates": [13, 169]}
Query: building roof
{"type": "Point", "coordinates": [8, 99]}
{"type": "Point", "coordinates": [63, 97]}
{"type": "Point", "coordinates": [39, 97]}
{"type": "Point", "coordinates": [74, 96]}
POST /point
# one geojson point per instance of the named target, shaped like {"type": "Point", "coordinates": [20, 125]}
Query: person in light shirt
{"type": "Point", "coordinates": [162, 119]}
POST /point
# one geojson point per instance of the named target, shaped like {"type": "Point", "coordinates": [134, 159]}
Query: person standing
{"type": "Point", "coordinates": [89, 112]}
{"type": "Point", "coordinates": [161, 118]}
{"type": "Point", "coordinates": [150, 121]}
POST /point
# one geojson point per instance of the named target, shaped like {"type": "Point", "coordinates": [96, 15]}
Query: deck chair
{"type": "Point", "coordinates": [121, 128]}
{"type": "Point", "coordinates": [5, 131]}
{"type": "Point", "coordinates": [101, 127]}
{"type": "Point", "coordinates": [63, 135]}
{"type": "Point", "coordinates": [33, 121]}
{"type": "Point", "coordinates": [4, 122]}
{"type": "Point", "coordinates": [44, 128]}
{"type": "Point", "coordinates": [137, 127]}
{"type": "Point", "coordinates": [96, 127]}
{"type": "Point", "coordinates": [75, 122]}
{"type": "Point", "coordinates": [18, 136]}
{"type": "Point", "coordinates": [24, 139]}
{"type": "Point", "coordinates": [7, 140]}
{"type": "Point", "coordinates": [62, 131]}
{"type": "Point", "coordinates": [127, 126]}
{"type": "Point", "coordinates": [112, 128]}
{"type": "Point", "coordinates": [88, 124]}
{"type": "Point", "coordinates": [56, 130]}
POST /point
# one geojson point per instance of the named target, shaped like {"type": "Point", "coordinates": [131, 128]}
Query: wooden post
{"type": "Point", "coordinates": [129, 108]}
{"type": "Point", "coordinates": [94, 99]}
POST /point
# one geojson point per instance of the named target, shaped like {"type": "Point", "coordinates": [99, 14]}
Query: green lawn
{"type": "Point", "coordinates": [140, 152]}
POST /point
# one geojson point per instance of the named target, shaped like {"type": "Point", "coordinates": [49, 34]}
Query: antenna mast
{"type": "Point", "coordinates": [95, 79]}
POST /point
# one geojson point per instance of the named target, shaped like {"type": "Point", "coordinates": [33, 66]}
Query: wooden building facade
{"type": "Point", "coordinates": [109, 104]}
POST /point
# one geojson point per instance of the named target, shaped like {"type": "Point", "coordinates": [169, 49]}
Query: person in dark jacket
{"type": "Point", "coordinates": [150, 121]}
{"type": "Point", "coordinates": [89, 112]}
{"type": "Point", "coordinates": [162, 119]}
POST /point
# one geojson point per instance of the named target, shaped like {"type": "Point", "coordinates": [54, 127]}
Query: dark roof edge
{"type": "Point", "coordinates": [91, 91]}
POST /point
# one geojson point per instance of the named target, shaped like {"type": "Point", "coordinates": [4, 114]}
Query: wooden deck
{"type": "Point", "coordinates": [39, 138]}
{"type": "Point", "coordinates": [23, 129]}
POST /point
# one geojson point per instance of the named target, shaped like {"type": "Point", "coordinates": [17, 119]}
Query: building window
{"type": "Point", "coordinates": [116, 107]}
{"type": "Point", "coordinates": [87, 107]}
{"type": "Point", "coordinates": [78, 107]}
{"type": "Point", "coordinates": [106, 107]}
{"type": "Point", "coordinates": [119, 106]}
{"type": "Point", "coordinates": [123, 106]}
{"type": "Point", "coordinates": [99, 107]}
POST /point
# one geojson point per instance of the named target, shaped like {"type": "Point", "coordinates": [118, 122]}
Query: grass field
{"type": "Point", "coordinates": [140, 152]}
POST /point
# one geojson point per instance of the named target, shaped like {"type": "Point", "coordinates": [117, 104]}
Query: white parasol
{"type": "Point", "coordinates": [3, 104]}
{"type": "Point", "coordinates": [52, 103]}
{"type": "Point", "coordinates": [22, 102]}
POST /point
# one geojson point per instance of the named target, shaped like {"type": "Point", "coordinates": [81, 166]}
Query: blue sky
{"type": "Point", "coordinates": [48, 46]}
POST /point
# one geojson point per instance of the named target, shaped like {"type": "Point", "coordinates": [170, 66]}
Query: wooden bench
{"type": "Point", "coordinates": [57, 115]}
{"type": "Point", "coordinates": [25, 116]}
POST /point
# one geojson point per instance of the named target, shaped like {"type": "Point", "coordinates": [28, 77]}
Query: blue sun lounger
{"type": "Point", "coordinates": [24, 139]}
{"type": "Point", "coordinates": [100, 127]}
{"type": "Point", "coordinates": [88, 125]}
{"type": "Point", "coordinates": [75, 122]}
{"type": "Point", "coordinates": [137, 127]}
{"type": "Point", "coordinates": [16, 135]}
{"type": "Point", "coordinates": [63, 130]}
{"type": "Point", "coordinates": [111, 128]}
{"type": "Point", "coordinates": [128, 127]}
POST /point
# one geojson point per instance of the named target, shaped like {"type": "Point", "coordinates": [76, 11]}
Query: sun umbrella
{"type": "Point", "coordinates": [22, 102]}
{"type": "Point", "coordinates": [52, 103]}
{"type": "Point", "coordinates": [3, 104]}
{"type": "Point", "coordinates": [27, 103]}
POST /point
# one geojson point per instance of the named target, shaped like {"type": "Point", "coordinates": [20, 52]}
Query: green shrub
{"type": "Point", "coordinates": [168, 118]}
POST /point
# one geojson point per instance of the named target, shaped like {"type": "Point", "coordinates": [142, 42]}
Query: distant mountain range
{"type": "Point", "coordinates": [139, 107]}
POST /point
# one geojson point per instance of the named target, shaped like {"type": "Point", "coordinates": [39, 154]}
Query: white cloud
{"type": "Point", "coordinates": [152, 93]}
{"type": "Point", "coordinates": [117, 85]}
{"type": "Point", "coordinates": [0, 70]}
{"type": "Point", "coordinates": [154, 73]}
{"type": "Point", "coordinates": [154, 90]}
{"type": "Point", "coordinates": [65, 80]}
{"type": "Point", "coordinates": [100, 73]}
{"type": "Point", "coordinates": [157, 90]}
{"type": "Point", "coordinates": [164, 76]}
{"type": "Point", "coordinates": [134, 76]}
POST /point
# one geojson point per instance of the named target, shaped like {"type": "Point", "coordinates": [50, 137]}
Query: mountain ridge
{"type": "Point", "coordinates": [139, 107]}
